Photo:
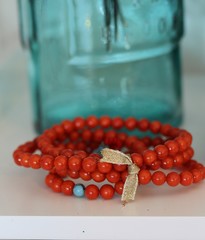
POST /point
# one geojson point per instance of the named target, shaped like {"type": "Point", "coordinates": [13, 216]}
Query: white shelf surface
{"type": "Point", "coordinates": [29, 210]}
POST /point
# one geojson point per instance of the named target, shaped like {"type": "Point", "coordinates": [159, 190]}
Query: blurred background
{"type": "Point", "coordinates": [193, 42]}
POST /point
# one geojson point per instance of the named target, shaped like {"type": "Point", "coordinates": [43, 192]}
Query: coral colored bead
{"type": "Point", "coordinates": [62, 173]}
{"type": "Point", "coordinates": [186, 178]}
{"type": "Point", "coordinates": [155, 126]}
{"type": "Point", "coordinates": [47, 162]}
{"type": "Point", "coordinates": [86, 135]}
{"type": "Point", "coordinates": [104, 167]}
{"type": "Point", "coordinates": [105, 121]}
{"type": "Point", "coordinates": [165, 129]}
{"type": "Point", "coordinates": [89, 164]}
{"type": "Point", "coordinates": [197, 175]}
{"type": "Point", "coordinates": [98, 135]}
{"type": "Point", "coordinates": [113, 176]}
{"type": "Point", "coordinates": [190, 151]}
{"type": "Point", "coordinates": [149, 157]}
{"type": "Point", "coordinates": [130, 141]}
{"type": "Point", "coordinates": [81, 146]}
{"type": "Point", "coordinates": [162, 151]}
{"type": "Point", "coordinates": [147, 141]}
{"type": "Point", "coordinates": [74, 136]}
{"type": "Point", "coordinates": [91, 192]}
{"type": "Point", "coordinates": [144, 176]}
{"type": "Point", "coordinates": [70, 146]}
{"type": "Point", "coordinates": [155, 165]}
{"type": "Point", "coordinates": [25, 160]}
{"type": "Point", "coordinates": [143, 124]}
{"type": "Point", "coordinates": [54, 152]}
{"type": "Point", "coordinates": [124, 176]}
{"type": "Point", "coordinates": [60, 162]}
{"type": "Point", "coordinates": [68, 126]}
{"type": "Point", "coordinates": [122, 137]}
{"type": "Point", "coordinates": [92, 121]}
{"type": "Point", "coordinates": [96, 156]}
{"type": "Point", "coordinates": [97, 176]}
{"type": "Point", "coordinates": [34, 161]}
{"type": "Point", "coordinates": [49, 179]}
{"type": "Point", "coordinates": [67, 152]}
{"type": "Point", "coordinates": [186, 156]}
{"type": "Point", "coordinates": [51, 134]}
{"type": "Point", "coordinates": [117, 122]}
{"type": "Point", "coordinates": [173, 179]}
{"type": "Point", "coordinates": [138, 147]}
{"type": "Point", "coordinates": [59, 130]}
{"type": "Point", "coordinates": [182, 143]}
{"type": "Point", "coordinates": [82, 154]}
{"type": "Point", "coordinates": [137, 159]}
{"type": "Point", "coordinates": [157, 141]}
{"type": "Point", "coordinates": [119, 187]}
{"type": "Point", "coordinates": [73, 174]}
{"type": "Point", "coordinates": [178, 160]}
{"type": "Point", "coordinates": [119, 168]}
{"type": "Point", "coordinates": [172, 146]}
{"type": "Point", "coordinates": [130, 123]}
{"type": "Point", "coordinates": [158, 178]}
{"type": "Point", "coordinates": [110, 135]}
{"type": "Point", "coordinates": [79, 123]}
{"type": "Point", "coordinates": [56, 185]}
{"type": "Point", "coordinates": [74, 163]}
{"type": "Point", "coordinates": [85, 175]}
{"type": "Point", "coordinates": [67, 187]}
{"type": "Point", "coordinates": [17, 157]}
{"type": "Point", "coordinates": [167, 163]}
{"type": "Point", "coordinates": [107, 191]}
{"type": "Point", "coordinates": [202, 170]}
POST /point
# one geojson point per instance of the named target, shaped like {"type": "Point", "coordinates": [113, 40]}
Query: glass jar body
{"type": "Point", "coordinates": [88, 60]}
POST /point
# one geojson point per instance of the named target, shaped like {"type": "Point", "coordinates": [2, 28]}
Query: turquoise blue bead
{"type": "Point", "coordinates": [79, 190]}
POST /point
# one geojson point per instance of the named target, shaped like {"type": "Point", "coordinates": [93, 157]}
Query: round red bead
{"type": "Point", "coordinates": [104, 167]}
{"type": "Point", "coordinates": [91, 192]}
{"type": "Point", "coordinates": [105, 121]}
{"type": "Point", "coordinates": [117, 122]}
{"type": "Point", "coordinates": [67, 187]}
{"type": "Point", "coordinates": [158, 178]}
{"type": "Point", "coordinates": [97, 176]}
{"type": "Point", "coordinates": [119, 187]}
{"type": "Point", "coordinates": [131, 123]}
{"type": "Point", "coordinates": [186, 178]}
{"type": "Point", "coordinates": [172, 146]}
{"type": "Point", "coordinates": [162, 151]}
{"type": "Point", "coordinates": [79, 123]}
{"type": "Point", "coordinates": [74, 163]}
{"type": "Point", "coordinates": [60, 162]}
{"type": "Point", "coordinates": [113, 176]}
{"type": "Point", "coordinates": [173, 179]}
{"type": "Point", "coordinates": [107, 191]}
{"type": "Point", "coordinates": [84, 175]}
{"type": "Point", "coordinates": [149, 157]}
{"type": "Point", "coordinates": [119, 167]}
{"type": "Point", "coordinates": [89, 164]}
{"type": "Point", "coordinates": [144, 176]}
{"type": "Point", "coordinates": [137, 159]}
{"type": "Point", "coordinates": [34, 161]}
{"type": "Point", "coordinates": [92, 121]}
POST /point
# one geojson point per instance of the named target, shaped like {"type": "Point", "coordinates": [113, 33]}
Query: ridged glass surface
{"type": "Point", "coordinates": [85, 59]}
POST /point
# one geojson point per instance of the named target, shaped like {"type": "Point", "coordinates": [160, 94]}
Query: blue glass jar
{"type": "Point", "coordinates": [103, 57]}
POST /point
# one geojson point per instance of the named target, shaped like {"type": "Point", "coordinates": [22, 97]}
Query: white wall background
{"type": "Point", "coordinates": [193, 43]}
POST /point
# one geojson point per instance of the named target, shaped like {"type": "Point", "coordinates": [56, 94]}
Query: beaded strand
{"type": "Point", "coordinates": [69, 150]}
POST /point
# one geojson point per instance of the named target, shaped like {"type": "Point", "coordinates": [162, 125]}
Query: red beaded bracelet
{"type": "Point", "coordinates": [71, 149]}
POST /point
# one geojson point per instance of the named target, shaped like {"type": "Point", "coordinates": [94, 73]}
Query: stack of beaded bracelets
{"type": "Point", "coordinates": [69, 150]}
